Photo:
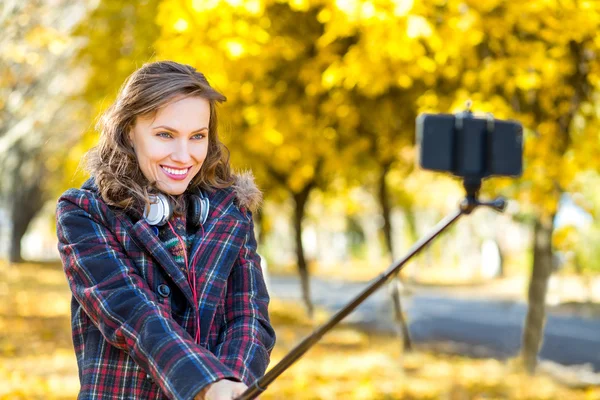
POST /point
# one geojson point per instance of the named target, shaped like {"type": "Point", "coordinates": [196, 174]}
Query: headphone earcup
{"type": "Point", "coordinates": [197, 209]}
{"type": "Point", "coordinates": [159, 211]}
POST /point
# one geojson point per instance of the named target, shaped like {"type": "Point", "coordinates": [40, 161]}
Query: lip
{"type": "Point", "coordinates": [175, 177]}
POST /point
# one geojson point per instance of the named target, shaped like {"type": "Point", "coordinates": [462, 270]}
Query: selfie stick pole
{"type": "Point", "coordinates": [466, 207]}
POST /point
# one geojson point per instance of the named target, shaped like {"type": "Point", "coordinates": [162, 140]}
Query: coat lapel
{"type": "Point", "coordinates": [216, 211]}
{"type": "Point", "coordinates": [214, 251]}
{"type": "Point", "coordinates": [143, 235]}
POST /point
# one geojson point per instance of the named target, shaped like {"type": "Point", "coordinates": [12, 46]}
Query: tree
{"type": "Point", "coordinates": [384, 72]}
{"type": "Point", "coordinates": [303, 77]}
{"type": "Point", "coordinates": [117, 39]}
{"type": "Point", "coordinates": [35, 122]}
{"type": "Point", "coordinates": [386, 124]}
{"type": "Point", "coordinates": [535, 62]}
{"type": "Point", "coordinates": [277, 107]}
{"type": "Point", "coordinates": [514, 59]}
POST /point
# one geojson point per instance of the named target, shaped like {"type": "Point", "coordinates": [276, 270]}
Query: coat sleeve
{"type": "Point", "coordinates": [107, 285]}
{"type": "Point", "coordinates": [248, 338]}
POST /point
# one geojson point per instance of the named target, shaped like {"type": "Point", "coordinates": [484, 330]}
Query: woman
{"type": "Point", "coordinates": [158, 247]}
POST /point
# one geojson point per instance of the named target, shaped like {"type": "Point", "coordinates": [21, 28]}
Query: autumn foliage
{"type": "Point", "coordinates": [322, 98]}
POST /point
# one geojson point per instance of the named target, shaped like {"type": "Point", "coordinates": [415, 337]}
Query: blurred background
{"type": "Point", "coordinates": [322, 100]}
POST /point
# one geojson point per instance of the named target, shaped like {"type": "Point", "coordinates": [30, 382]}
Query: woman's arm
{"type": "Point", "coordinates": [120, 303]}
{"type": "Point", "coordinates": [248, 338]}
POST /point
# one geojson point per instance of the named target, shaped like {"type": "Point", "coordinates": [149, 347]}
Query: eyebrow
{"type": "Point", "coordinates": [175, 130]}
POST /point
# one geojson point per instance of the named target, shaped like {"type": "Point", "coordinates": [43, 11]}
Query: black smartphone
{"type": "Point", "coordinates": [469, 146]}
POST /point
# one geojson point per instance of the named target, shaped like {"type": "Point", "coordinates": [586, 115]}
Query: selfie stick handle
{"type": "Point", "coordinates": [466, 207]}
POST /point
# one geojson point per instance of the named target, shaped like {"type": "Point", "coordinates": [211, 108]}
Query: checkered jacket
{"type": "Point", "coordinates": [132, 313]}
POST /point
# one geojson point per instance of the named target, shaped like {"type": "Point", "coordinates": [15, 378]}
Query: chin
{"type": "Point", "coordinates": [172, 189]}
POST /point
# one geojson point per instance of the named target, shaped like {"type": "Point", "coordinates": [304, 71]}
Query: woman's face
{"type": "Point", "coordinates": [172, 144]}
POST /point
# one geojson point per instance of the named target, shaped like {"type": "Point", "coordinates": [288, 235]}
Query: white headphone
{"type": "Point", "coordinates": [160, 210]}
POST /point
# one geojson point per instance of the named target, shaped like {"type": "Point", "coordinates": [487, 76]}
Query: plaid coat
{"type": "Point", "coordinates": [131, 311]}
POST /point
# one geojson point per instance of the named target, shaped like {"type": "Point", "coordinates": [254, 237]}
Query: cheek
{"type": "Point", "coordinates": [155, 152]}
{"type": "Point", "coordinates": [200, 152]}
{"type": "Point", "coordinates": [149, 157]}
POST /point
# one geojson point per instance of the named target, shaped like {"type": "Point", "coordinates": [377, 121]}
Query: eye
{"type": "Point", "coordinates": [199, 136]}
{"type": "Point", "coordinates": [164, 135]}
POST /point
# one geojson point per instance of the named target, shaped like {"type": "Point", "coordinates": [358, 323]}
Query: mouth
{"type": "Point", "coordinates": [177, 174]}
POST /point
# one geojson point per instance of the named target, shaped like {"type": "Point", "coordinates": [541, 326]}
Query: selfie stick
{"type": "Point", "coordinates": [469, 203]}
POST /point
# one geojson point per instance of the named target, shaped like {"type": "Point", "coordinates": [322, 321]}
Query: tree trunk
{"type": "Point", "coordinates": [401, 325]}
{"type": "Point", "coordinates": [386, 209]}
{"type": "Point", "coordinates": [542, 268]}
{"type": "Point", "coordinates": [502, 255]}
{"type": "Point", "coordinates": [411, 222]}
{"type": "Point", "coordinates": [26, 203]}
{"type": "Point", "coordinates": [300, 200]}
{"type": "Point", "coordinates": [259, 220]}
{"type": "Point", "coordinates": [395, 284]}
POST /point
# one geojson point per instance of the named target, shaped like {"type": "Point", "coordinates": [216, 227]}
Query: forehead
{"type": "Point", "coordinates": [183, 111]}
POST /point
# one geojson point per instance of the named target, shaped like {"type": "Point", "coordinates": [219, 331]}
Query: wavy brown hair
{"type": "Point", "coordinates": [113, 162]}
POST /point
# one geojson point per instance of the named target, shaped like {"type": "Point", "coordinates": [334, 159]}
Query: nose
{"type": "Point", "coordinates": [181, 152]}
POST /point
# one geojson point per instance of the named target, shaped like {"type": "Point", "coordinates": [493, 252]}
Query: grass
{"type": "Point", "coordinates": [37, 360]}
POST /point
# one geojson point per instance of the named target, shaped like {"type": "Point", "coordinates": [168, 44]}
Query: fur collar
{"type": "Point", "coordinates": [247, 194]}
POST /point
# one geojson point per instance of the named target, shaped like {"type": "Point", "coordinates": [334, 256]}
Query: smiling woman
{"type": "Point", "coordinates": [158, 247]}
{"type": "Point", "coordinates": [172, 155]}
{"type": "Point", "coordinates": [158, 106]}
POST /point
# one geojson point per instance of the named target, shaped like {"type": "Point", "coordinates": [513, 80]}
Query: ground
{"type": "Point", "coordinates": [37, 360]}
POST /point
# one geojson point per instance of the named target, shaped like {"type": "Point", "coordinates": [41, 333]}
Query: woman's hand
{"type": "Point", "coordinates": [222, 390]}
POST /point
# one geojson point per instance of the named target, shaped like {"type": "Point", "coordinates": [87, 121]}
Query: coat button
{"type": "Point", "coordinates": [164, 290]}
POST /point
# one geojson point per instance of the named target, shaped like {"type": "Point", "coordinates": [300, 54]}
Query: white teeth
{"type": "Point", "coordinates": [176, 171]}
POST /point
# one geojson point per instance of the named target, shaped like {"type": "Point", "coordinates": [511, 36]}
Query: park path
{"type": "Point", "coordinates": [488, 327]}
